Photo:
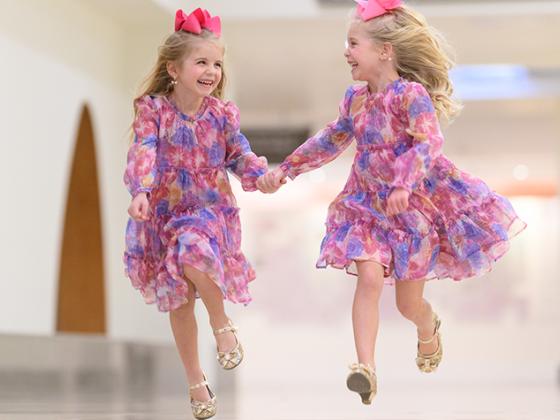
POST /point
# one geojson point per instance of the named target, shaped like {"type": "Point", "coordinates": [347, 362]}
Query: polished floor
{"type": "Point", "coordinates": [65, 378]}
{"type": "Point", "coordinates": [396, 403]}
{"type": "Point", "coordinates": [404, 404]}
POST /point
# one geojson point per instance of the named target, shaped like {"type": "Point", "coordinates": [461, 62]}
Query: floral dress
{"type": "Point", "coordinates": [455, 226]}
{"type": "Point", "coordinates": [181, 162]}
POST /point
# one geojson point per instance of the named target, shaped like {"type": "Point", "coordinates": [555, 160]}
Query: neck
{"type": "Point", "coordinates": [380, 82]}
{"type": "Point", "coordinates": [186, 103]}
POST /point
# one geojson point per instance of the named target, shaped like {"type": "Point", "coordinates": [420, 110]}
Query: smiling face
{"type": "Point", "coordinates": [369, 60]}
{"type": "Point", "coordinates": [200, 71]}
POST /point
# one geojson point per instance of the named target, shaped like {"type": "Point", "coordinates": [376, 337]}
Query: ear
{"type": "Point", "coordinates": [387, 49]}
{"type": "Point", "coordinates": [172, 69]}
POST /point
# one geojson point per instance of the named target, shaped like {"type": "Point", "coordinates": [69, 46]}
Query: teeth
{"type": "Point", "coordinates": [205, 83]}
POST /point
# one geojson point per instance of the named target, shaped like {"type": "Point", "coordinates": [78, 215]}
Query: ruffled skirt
{"type": "Point", "coordinates": [207, 239]}
{"type": "Point", "coordinates": [455, 227]}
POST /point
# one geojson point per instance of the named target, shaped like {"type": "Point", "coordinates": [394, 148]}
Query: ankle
{"type": "Point", "coordinates": [369, 364]}
{"type": "Point", "coordinates": [217, 322]}
{"type": "Point", "coordinates": [195, 377]}
{"type": "Point", "coordinates": [426, 329]}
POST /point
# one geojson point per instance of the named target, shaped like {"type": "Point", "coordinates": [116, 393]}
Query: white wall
{"type": "Point", "coordinates": [57, 56]}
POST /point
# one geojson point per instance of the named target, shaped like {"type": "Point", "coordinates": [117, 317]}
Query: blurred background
{"type": "Point", "coordinates": [77, 341]}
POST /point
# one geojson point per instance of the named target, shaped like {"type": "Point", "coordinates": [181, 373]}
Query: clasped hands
{"type": "Point", "coordinates": [271, 181]}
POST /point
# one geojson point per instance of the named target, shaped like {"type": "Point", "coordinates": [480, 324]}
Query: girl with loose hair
{"type": "Point", "coordinates": [183, 237]}
{"type": "Point", "coordinates": [406, 213]}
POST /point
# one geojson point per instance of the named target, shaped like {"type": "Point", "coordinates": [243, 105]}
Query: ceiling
{"type": "Point", "coordinates": [298, 9]}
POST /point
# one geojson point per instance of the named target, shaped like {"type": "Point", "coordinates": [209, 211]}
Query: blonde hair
{"type": "Point", "coordinates": [421, 55]}
{"type": "Point", "coordinates": [177, 46]}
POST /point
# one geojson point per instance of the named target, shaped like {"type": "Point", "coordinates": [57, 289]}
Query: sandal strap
{"type": "Point", "coordinates": [227, 328]}
{"type": "Point", "coordinates": [199, 385]}
{"type": "Point", "coordinates": [429, 341]}
{"type": "Point", "coordinates": [362, 366]}
{"type": "Point", "coordinates": [437, 324]}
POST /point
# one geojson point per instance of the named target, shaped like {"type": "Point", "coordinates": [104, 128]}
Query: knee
{"type": "Point", "coordinates": [409, 308]}
{"type": "Point", "coordinates": [371, 283]}
{"type": "Point", "coordinates": [184, 311]}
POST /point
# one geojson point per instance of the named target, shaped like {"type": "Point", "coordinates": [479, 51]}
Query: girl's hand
{"type": "Point", "coordinates": [139, 208]}
{"type": "Point", "coordinates": [397, 201]}
{"type": "Point", "coordinates": [271, 181]}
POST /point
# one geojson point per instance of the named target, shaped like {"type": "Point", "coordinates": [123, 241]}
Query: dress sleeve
{"type": "Point", "coordinates": [141, 159]}
{"type": "Point", "coordinates": [413, 165]}
{"type": "Point", "coordinates": [324, 146]}
{"type": "Point", "coordinates": [240, 159]}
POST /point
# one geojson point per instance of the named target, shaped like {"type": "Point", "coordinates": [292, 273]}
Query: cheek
{"type": "Point", "coordinates": [189, 73]}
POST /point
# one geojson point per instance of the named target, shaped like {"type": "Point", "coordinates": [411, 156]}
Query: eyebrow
{"type": "Point", "coordinates": [204, 58]}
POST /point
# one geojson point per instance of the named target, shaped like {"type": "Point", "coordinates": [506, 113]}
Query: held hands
{"type": "Point", "coordinates": [271, 181]}
{"type": "Point", "coordinates": [397, 201]}
{"type": "Point", "coordinates": [139, 208]}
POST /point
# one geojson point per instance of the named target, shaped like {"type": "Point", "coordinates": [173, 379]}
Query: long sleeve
{"type": "Point", "coordinates": [240, 159]}
{"type": "Point", "coordinates": [324, 146]}
{"type": "Point", "coordinates": [141, 159]}
{"type": "Point", "coordinates": [413, 165]}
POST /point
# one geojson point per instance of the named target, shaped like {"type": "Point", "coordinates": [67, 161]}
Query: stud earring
{"type": "Point", "coordinates": [174, 82]}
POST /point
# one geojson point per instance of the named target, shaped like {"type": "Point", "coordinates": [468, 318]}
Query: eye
{"type": "Point", "coordinates": [219, 65]}
{"type": "Point", "coordinates": [201, 62]}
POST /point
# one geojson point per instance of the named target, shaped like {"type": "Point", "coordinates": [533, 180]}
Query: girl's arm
{"type": "Point", "coordinates": [325, 146]}
{"type": "Point", "coordinates": [140, 169]}
{"type": "Point", "coordinates": [413, 165]}
{"type": "Point", "coordinates": [240, 160]}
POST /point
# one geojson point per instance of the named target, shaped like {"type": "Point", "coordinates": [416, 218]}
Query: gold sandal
{"type": "Point", "coordinates": [203, 409]}
{"type": "Point", "coordinates": [230, 359]}
{"type": "Point", "coordinates": [428, 363]}
{"type": "Point", "coordinates": [363, 380]}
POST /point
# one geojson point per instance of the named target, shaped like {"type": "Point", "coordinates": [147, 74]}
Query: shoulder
{"type": "Point", "coordinates": [354, 98]}
{"type": "Point", "coordinates": [220, 106]}
{"type": "Point", "coordinates": [148, 104]}
{"type": "Point", "coordinates": [223, 109]}
{"type": "Point", "coordinates": [413, 96]}
{"type": "Point", "coordinates": [354, 91]}
{"type": "Point", "coordinates": [414, 89]}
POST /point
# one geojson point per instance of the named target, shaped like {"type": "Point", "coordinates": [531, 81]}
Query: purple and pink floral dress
{"type": "Point", "coordinates": [181, 163]}
{"type": "Point", "coordinates": [455, 226]}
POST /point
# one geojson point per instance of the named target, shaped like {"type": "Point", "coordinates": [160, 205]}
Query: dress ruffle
{"type": "Point", "coordinates": [462, 240]}
{"type": "Point", "coordinates": [200, 239]}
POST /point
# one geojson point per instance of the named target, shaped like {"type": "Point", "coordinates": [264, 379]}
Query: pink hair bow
{"type": "Point", "coordinates": [369, 9]}
{"type": "Point", "coordinates": [197, 21]}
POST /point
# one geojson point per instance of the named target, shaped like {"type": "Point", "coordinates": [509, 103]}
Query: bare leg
{"type": "Point", "coordinates": [213, 299]}
{"type": "Point", "coordinates": [414, 307]}
{"type": "Point", "coordinates": [365, 311]}
{"type": "Point", "coordinates": [185, 331]}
